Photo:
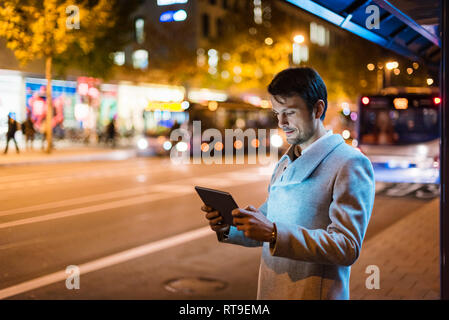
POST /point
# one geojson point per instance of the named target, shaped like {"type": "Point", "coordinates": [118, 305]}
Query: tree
{"type": "Point", "coordinates": [46, 29]}
{"type": "Point", "coordinates": [99, 63]}
{"type": "Point", "coordinates": [250, 54]}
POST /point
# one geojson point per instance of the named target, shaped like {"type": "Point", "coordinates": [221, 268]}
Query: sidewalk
{"type": "Point", "coordinates": [60, 155]}
{"type": "Point", "coordinates": [407, 254]}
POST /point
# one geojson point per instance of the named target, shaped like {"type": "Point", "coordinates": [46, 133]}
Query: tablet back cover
{"type": "Point", "coordinates": [220, 201]}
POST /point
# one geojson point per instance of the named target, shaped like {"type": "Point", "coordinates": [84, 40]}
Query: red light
{"type": "Point", "coordinates": [365, 100]}
{"type": "Point", "coordinates": [436, 100]}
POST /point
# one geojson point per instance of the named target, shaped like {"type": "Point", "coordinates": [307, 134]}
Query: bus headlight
{"type": "Point", "coordinates": [181, 146]}
{"type": "Point", "coordinates": [422, 150]}
{"type": "Point", "coordinates": [142, 144]}
{"type": "Point", "coordinates": [167, 145]}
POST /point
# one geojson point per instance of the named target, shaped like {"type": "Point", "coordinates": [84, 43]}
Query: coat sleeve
{"type": "Point", "coordinates": [350, 210]}
{"type": "Point", "coordinates": [238, 237]}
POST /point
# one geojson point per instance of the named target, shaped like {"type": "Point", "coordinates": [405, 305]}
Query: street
{"type": "Point", "coordinates": [135, 229]}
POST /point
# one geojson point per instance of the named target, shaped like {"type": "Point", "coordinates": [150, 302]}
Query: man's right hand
{"type": "Point", "coordinates": [215, 219]}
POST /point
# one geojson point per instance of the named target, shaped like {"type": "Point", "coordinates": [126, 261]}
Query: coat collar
{"type": "Point", "coordinates": [303, 166]}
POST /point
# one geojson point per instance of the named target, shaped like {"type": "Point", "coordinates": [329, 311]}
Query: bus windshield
{"type": "Point", "coordinates": [393, 120]}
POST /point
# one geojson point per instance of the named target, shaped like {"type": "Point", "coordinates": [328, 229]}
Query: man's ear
{"type": "Point", "coordinates": [319, 108]}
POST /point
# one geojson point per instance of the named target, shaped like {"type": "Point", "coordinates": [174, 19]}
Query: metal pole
{"type": "Point", "coordinates": [444, 153]}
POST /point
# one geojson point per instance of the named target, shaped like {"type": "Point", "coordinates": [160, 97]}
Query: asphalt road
{"type": "Point", "coordinates": [135, 231]}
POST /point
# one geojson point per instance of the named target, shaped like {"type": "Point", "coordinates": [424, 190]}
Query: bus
{"type": "Point", "coordinates": [398, 130]}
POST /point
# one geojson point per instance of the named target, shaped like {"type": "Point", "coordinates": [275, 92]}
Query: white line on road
{"type": "Point", "coordinates": [20, 244]}
{"type": "Point", "coordinates": [13, 182]}
{"type": "Point", "coordinates": [107, 261]}
{"type": "Point", "coordinates": [170, 190]}
{"type": "Point", "coordinates": [98, 207]}
{"type": "Point", "coordinates": [177, 190]}
{"type": "Point", "coordinates": [79, 200]}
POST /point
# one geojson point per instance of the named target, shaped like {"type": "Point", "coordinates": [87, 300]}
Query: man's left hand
{"type": "Point", "coordinates": [253, 223]}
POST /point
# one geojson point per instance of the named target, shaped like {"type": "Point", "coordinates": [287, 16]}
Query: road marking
{"type": "Point", "coordinates": [74, 201]}
{"type": "Point", "coordinates": [74, 170]}
{"type": "Point", "coordinates": [20, 244]}
{"type": "Point", "coordinates": [54, 178]}
{"type": "Point", "coordinates": [107, 261]}
{"type": "Point", "coordinates": [218, 181]}
{"type": "Point", "coordinates": [79, 211]}
{"type": "Point", "coordinates": [105, 206]}
{"type": "Point", "coordinates": [403, 189]}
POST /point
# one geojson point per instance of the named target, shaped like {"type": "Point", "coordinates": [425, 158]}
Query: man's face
{"type": "Point", "coordinates": [294, 118]}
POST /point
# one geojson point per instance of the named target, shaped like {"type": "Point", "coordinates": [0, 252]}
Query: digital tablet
{"type": "Point", "coordinates": [220, 201]}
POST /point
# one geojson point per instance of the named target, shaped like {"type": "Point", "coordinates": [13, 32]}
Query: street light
{"type": "Point", "coordinates": [268, 41]}
{"type": "Point", "coordinates": [299, 38]}
{"type": "Point", "coordinates": [392, 65]}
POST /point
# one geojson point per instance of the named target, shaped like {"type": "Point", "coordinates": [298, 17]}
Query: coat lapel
{"type": "Point", "coordinates": [302, 167]}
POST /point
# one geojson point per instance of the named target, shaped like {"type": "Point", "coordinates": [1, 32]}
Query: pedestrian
{"type": "Point", "coordinates": [13, 126]}
{"type": "Point", "coordinates": [319, 203]}
{"type": "Point", "coordinates": [43, 131]}
{"type": "Point", "coordinates": [29, 132]}
{"type": "Point", "coordinates": [111, 133]}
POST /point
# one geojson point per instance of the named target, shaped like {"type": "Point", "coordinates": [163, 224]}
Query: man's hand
{"type": "Point", "coordinates": [253, 223]}
{"type": "Point", "coordinates": [215, 219]}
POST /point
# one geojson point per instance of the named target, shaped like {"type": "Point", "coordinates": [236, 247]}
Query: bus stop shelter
{"type": "Point", "coordinates": [418, 30]}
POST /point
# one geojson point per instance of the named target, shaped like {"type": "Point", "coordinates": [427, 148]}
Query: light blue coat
{"type": "Point", "coordinates": [321, 205]}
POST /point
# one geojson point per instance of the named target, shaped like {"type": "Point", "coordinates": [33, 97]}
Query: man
{"type": "Point", "coordinates": [13, 126]}
{"type": "Point", "coordinates": [319, 204]}
{"type": "Point", "coordinates": [110, 132]}
{"type": "Point", "coordinates": [29, 131]}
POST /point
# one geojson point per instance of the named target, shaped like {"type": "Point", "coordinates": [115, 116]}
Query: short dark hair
{"type": "Point", "coordinates": [304, 82]}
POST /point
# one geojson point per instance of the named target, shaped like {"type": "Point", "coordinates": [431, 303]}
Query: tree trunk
{"type": "Point", "coordinates": [49, 116]}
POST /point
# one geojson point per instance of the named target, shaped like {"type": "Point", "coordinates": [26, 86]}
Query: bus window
{"type": "Point", "coordinates": [382, 124]}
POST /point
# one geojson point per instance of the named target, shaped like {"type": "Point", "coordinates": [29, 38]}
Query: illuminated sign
{"type": "Point", "coordinates": [400, 103]}
{"type": "Point", "coordinates": [140, 59]}
{"type": "Point", "coordinates": [10, 98]}
{"type": "Point", "coordinates": [134, 99]}
{"type": "Point", "coordinates": [152, 92]}
{"type": "Point", "coordinates": [170, 16]}
{"type": "Point", "coordinates": [163, 106]}
{"type": "Point", "coordinates": [170, 2]}
{"type": "Point", "coordinates": [201, 95]}
{"type": "Point", "coordinates": [81, 111]}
